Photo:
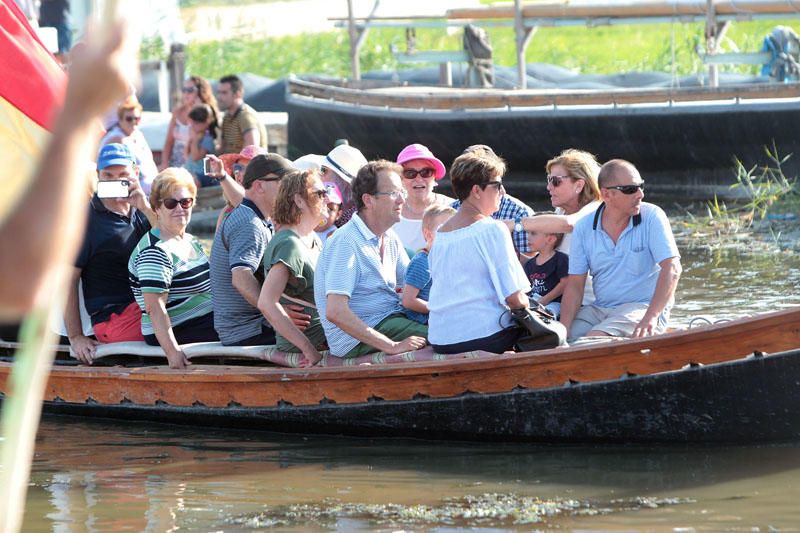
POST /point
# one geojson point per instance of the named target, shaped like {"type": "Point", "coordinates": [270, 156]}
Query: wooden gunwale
{"type": "Point", "coordinates": [221, 386]}
{"type": "Point", "coordinates": [492, 99]}
{"type": "Point", "coordinates": [662, 8]}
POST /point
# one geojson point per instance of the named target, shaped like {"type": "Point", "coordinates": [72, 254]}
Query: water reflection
{"type": "Point", "coordinates": [136, 477]}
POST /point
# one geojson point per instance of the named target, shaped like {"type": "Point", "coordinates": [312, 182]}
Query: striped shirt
{"type": "Point", "coordinates": [239, 242]}
{"type": "Point", "coordinates": [351, 265]}
{"type": "Point", "coordinates": [511, 208]}
{"type": "Point", "coordinates": [236, 124]}
{"type": "Point", "coordinates": [155, 267]}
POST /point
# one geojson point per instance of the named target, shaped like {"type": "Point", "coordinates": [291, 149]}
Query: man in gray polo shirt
{"type": "Point", "coordinates": [237, 252]}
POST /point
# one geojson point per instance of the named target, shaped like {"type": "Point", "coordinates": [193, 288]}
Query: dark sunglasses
{"type": "Point", "coordinates": [132, 119]}
{"type": "Point", "coordinates": [555, 181]}
{"type": "Point", "coordinates": [321, 193]}
{"type": "Point", "coordinates": [188, 90]}
{"type": "Point", "coordinates": [172, 203]}
{"type": "Point", "coordinates": [237, 167]}
{"type": "Point", "coordinates": [627, 189]}
{"type": "Point", "coordinates": [411, 173]}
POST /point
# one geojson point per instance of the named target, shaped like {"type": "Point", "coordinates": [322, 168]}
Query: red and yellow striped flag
{"type": "Point", "coordinates": [32, 86]}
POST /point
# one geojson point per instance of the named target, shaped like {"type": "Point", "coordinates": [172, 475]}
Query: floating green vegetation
{"type": "Point", "coordinates": [484, 510]}
{"type": "Point", "coordinates": [667, 48]}
{"type": "Point", "coordinates": [767, 215]}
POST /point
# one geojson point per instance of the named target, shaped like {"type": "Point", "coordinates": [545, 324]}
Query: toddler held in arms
{"type": "Point", "coordinates": [418, 274]}
{"type": "Point", "coordinates": [547, 270]}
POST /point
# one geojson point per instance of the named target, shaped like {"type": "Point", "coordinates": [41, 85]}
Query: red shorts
{"type": "Point", "coordinates": [126, 326]}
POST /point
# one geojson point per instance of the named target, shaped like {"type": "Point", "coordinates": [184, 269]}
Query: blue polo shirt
{"type": "Point", "coordinates": [625, 271]}
{"type": "Point", "coordinates": [351, 265]}
{"type": "Point", "coordinates": [103, 259]}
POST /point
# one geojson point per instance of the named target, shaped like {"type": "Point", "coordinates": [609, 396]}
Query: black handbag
{"type": "Point", "coordinates": [540, 327]}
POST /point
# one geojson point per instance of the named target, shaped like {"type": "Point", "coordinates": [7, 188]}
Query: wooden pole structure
{"type": "Point", "coordinates": [711, 42]}
{"type": "Point", "coordinates": [355, 45]}
{"type": "Point", "coordinates": [522, 36]}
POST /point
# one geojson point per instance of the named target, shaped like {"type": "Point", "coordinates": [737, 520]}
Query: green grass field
{"type": "Point", "coordinates": [603, 50]}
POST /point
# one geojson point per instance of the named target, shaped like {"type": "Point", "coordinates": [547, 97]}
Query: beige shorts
{"type": "Point", "coordinates": [618, 321]}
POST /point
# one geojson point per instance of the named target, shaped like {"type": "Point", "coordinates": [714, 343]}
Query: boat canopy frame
{"type": "Point", "coordinates": [526, 19]}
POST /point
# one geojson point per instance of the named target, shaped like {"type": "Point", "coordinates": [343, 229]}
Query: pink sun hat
{"type": "Point", "coordinates": [420, 151]}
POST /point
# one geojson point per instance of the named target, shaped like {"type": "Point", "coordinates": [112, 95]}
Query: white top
{"type": "Point", "coordinates": [473, 270]}
{"type": "Point", "coordinates": [587, 210]}
{"type": "Point", "coordinates": [410, 232]}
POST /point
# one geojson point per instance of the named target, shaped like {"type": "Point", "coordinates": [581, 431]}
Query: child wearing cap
{"type": "Point", "coordinates": [326, 227]}
{"type": "Point", "coordinates": [418, 274]}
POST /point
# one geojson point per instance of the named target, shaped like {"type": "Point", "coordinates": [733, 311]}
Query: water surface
{"type": "Point", "coordinates": [113, 476]}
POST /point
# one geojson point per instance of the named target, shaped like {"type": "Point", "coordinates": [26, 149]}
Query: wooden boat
{"type": "Point", "coordinates": [685, 136]}
{"type": "Point", "coordinates": [731, 382]}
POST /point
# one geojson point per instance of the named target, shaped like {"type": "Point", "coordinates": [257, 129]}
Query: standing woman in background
{"type": "Point", "coordinates": [196, 90]}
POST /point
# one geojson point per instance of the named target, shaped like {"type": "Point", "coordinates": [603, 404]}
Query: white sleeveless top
{"type": "Point", "coordinates": [180, 133]}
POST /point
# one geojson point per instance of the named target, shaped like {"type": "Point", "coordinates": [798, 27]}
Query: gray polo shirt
{"type": "Point", "coordinates": [240, 242]}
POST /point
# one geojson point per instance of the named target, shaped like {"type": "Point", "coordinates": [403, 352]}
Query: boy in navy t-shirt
{"type": "Point", "coordinates": [418, 274]}
{"type": "Point", "coordinates": [547, 270]}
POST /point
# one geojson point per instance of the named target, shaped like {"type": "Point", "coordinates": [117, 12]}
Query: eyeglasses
{"type": "Point", "coordinates": [130, 118]}
{"type": "Point", "coordinates": [394, 195]}
{"type": "Point", "coordinates": [496, 184]}
{"type": "Point", "coordinates": [172, 203]}
{"type": "Point", "coordinates": [188, 90]}
{"type": "Point", "coordinates": [555, 181]}
{"type": "Point", "coordinates": [274, 178]}
{"type": "Point", "coordinates": [411, 173]}
{"type": "Point", "coordinates": [321, 193]}
{"type": "Point", "coordinates": [627, 189]}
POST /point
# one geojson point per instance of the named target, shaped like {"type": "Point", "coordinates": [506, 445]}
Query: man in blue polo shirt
{"type": "Point", "coordinates": [629, 248]}
{"type": "Point", "coordinates": [114, 226]}
{"type": "Point", "coordinates": [361, 266]}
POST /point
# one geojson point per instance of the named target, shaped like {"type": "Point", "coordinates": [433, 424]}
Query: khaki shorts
{"type": "Point", "coordinates": [618, 321]}
{"type": "Point", "coordinates": [397, 327]}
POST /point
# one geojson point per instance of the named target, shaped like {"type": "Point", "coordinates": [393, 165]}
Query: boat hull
{"type": "Point", "coordinates": [748, 400]}
{"type": "Point", "coordinates": [679, 149]}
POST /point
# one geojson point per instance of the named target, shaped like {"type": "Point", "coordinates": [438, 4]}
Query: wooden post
{"type": "Point", "coordinates": [522, 36]}
{"type": "Point", "coordinates": [711, 42]}
{"type": "Point", "coordinates": [355, 65]}
{"type": "Point", "coordinates": [177, 70]}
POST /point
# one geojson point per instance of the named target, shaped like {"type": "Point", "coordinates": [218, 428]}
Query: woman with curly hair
{"type": "Point", "coordinates": [196, 90]}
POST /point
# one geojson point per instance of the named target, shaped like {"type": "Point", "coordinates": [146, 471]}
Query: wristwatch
{"type": "Point", "coordinates": [518, 224]}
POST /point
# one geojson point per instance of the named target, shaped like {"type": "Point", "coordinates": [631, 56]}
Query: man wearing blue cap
{"type": "Point", "coordinates": [119, 215]}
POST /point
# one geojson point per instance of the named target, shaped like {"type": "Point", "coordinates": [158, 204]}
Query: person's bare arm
{"type": "Point", "coordinates": [246, 283]}
{"type": "Point", "coordinates": [231, 189]}
{"type": "Point", "coordinates": [557, 291]}
{"type": "Point", "coordinates": [251, 136]}
{"type": "Point", "coordinates": [82, 346]}
{"type": "Point", "coordinates": [169, 142]}
{"type": "Point", "coordinates": [411, 299]}
{"type": "Point", "coordinates": [338, 311]}
{"type": "Point", "coordinates": [46, 229]}
{"type": "Point", "coordinates": [665, 290]}
{"type": "Point", "coordinates": [543, 223]}
{"type": "Point", "coordinates": [155, 305]}
{"type": "Point", "coordinates": [572, 299]}
{"type": "Point", "coordinates": [517, 300]}
{"type": "Point", "coordinates": [269, 305]}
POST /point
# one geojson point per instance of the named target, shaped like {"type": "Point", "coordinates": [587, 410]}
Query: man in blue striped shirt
{"type": "Point", "coordinates": [361, 267]}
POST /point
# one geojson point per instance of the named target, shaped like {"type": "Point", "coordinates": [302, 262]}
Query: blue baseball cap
{"type": "Point", "coordinates": [114, 154]}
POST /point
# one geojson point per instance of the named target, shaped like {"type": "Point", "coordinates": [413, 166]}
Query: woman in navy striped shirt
{"type": "Point", "coordinates": [169, 273]}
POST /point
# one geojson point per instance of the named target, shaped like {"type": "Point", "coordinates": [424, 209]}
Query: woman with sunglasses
{"type": "Point", "coordinates": [127, 132]}
{"type": "Point", "coordinates": [476, 274]}
{"type": "Point", "coordinates": [195, 90]}
{"type": "Point", "coordinates": [421, 171]}
{"type": "Point", "coordinates": [169, 272]}
{"type": "Point", "coordinates": [289, 263]}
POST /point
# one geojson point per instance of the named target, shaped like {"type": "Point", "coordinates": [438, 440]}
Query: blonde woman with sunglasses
{"type": "Point", "coordinates": [169, 272]}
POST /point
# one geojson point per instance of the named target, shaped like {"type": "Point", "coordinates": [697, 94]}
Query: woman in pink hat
{"type": "Point", "coordinates": [421, 171]}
